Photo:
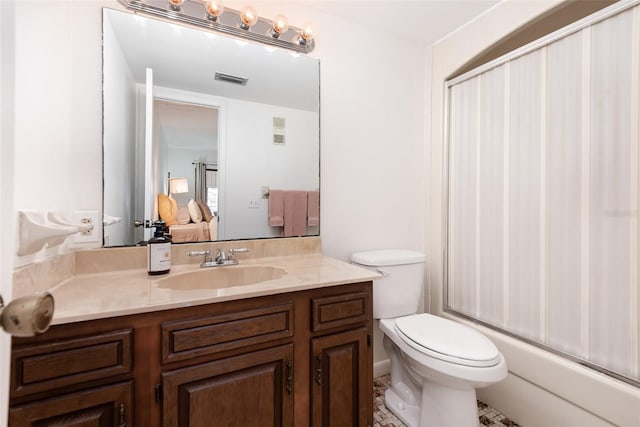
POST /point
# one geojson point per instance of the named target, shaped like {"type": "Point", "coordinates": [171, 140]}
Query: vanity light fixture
{"type": "Point", "coordinates": [248, 17]}
{"type": "Point", "coordinates": [280, 25]}
{"type": "Point", "coordinates": [306, 35]}
{"type": "Point", "coordinates": [175, 4]}
{"type": "Point", "coordinates": [214, 9]}
{"type": "Point", "coordinates": [245, 23]}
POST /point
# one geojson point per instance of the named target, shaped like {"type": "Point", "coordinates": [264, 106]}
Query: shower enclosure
{"type": "Point", "coordinates": [543, 240]}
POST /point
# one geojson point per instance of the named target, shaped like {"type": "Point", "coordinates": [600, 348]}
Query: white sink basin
{"type": "Point", "coordinates": [221, 277]}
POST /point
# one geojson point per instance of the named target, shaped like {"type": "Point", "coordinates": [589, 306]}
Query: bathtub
{"type": "Point", "coordinates": [543, 389]}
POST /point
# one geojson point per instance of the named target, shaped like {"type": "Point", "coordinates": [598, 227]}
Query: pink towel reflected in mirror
{"type": "Point", "coordinates": [313, 208]}
{"type": "Point", "coordinates": [276, 208]}
{"type": "Point", "coordinates": [295, 213]}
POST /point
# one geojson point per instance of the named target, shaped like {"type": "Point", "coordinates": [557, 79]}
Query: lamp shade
{"type": "Point", "coordinates": [178, 185]}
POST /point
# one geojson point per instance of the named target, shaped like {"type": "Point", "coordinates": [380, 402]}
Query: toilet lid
{"type": "Point", "coordinates": [447, 340]}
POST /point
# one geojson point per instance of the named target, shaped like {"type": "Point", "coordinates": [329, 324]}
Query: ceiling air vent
{"type": "Point", "coordinates": [278, 130]}
{"type": "Point", "coordinates": [231, 79]}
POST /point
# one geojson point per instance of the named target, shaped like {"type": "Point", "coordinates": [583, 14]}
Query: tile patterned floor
{"type": "Point", "coordinates": [382, 417]}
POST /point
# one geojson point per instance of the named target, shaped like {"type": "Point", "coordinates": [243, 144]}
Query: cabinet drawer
{"type": "Point", "coordinates": [68, 362]}
{"type": "Point", "coordinates": [101, 406]}
{"type": "Point", "coordinates": [208, 335]}
{"type": "Point", "coordinates": [339, 310]}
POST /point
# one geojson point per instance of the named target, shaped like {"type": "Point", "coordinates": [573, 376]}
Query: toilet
{"type": "Point", "coordinates": [436, 363]}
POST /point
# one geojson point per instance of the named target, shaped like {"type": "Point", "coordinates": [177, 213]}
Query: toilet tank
{"type": "Point", "coordinates": [399, 291]}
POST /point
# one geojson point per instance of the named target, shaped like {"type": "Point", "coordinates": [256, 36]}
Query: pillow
{"type": "Point", "coordinates": [183, 215]}
{"type": "Point", "coordinates": [206, 212]}
{"type": "Point", "coordinates": [168, 209]}
{"type": "Point", "coordinates": [194, 211]}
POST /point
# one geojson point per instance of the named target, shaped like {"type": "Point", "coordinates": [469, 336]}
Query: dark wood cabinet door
{"type": "Point", "coordinates": [109, 406]}
{"type": "Point", "coordinates": [341, 391]}
{"type": "Point", "coordinates": [253, 389]}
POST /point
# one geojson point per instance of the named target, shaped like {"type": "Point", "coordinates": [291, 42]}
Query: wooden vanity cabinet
{"type": "Point", "coordinates": [296, 359]}
{"type": "Point", "coordinates": [341, 361]}
{"type": "Point", "coordinates": [340, 386]}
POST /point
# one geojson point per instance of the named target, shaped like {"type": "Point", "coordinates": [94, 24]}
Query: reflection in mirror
{"type": "Point", "coordinates": [186, 142]}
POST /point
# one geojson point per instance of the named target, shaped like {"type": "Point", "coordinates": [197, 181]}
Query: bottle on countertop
{"type": "Point", "coordinates": [158, 251]}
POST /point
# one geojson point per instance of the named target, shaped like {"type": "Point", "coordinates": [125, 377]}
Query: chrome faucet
{"type": "Point", "coordinates": [222, 258]}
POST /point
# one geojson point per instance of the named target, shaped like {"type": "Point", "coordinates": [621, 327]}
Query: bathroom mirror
{"type": "Point", "coordinates": [193, 114]}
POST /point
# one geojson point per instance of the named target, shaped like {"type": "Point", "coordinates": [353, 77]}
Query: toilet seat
{"type": "Point", "coordinates": [447, 340]}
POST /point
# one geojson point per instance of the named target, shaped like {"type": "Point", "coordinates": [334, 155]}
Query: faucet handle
{"type": "Point", "coordinates": [206, 254]}
{"type": "Point", "coordinates": [232, 252]}
{"type": "Point", "coordinates": [198, 253]}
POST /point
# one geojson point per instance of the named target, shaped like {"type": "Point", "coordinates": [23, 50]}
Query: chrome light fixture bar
{"type": "Point", "coordinates": [245, 24]}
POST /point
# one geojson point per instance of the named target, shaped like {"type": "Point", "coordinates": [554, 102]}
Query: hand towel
{"type": "Point", "coordinates": [313, 208]}
{"type": "Point", "coordinates": [295, 213]}
{"type": "Point", "coordinates": [276, 208]}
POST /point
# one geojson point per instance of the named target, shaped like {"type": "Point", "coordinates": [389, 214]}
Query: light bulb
{"type": "Point", "coordinates": [307, 32]}
{"type": "Point", "coordinates": [248, 17]}
{"type": "Point", "coordinates": [214, 9]}
{"type": "Point", "coordinates": [175, 4]}
{"type": "Point", "coordinates": [280, 25]}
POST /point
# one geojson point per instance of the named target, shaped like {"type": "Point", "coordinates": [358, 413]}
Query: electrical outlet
{"type": "Point", "coordinates": [91, 218]}
{"type": "Point", "coordinates": [85, 221]}
{"type": "Point", "coordinates": [254, 203]}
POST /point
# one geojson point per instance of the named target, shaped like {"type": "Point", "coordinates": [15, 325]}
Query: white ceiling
{"type": "Point", "coordinates": [422, 21]}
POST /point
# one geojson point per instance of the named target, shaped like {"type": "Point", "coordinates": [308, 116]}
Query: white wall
{"type": "Point", "coordinates": [541, 389]}
{"type": "Point", "coordinates": [57, 109]}
{"type": "Point", "coordinates": [253, 161]}
{"type": "Point", "coordinates": [372, 140]}
{"type": "Point", "coordinates": [58, 106]}
{"type": "Point", "coordinates": [372, 122]}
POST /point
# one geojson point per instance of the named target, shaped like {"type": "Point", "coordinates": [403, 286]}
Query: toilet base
{"type": "Point", "coordinates": [444, 406]}
{"type": "Point", "coordinates": [408, 414]}
{"type": "Point", "coordinates": [441, 406]}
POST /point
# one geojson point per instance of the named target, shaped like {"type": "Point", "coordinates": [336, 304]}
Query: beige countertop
{"type": "Point", "coordinates": [107, 294]}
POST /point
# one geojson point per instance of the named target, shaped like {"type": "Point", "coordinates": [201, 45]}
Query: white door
{"type": "Point", "coordinates": [150, 201]}
{"type": "Point", "coordinates": [6, 244]}
{"type": "Point", "coordinates": [6, 213]}
{"type": "Point", "coordinates": [6, 257]}
{"type": "Point", "coordinates": [5, 290]}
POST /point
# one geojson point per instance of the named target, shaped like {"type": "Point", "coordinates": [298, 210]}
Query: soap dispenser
{"type": "Point", "coordinates": [158, 251]}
